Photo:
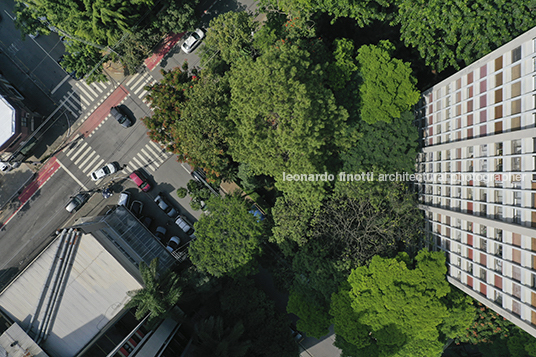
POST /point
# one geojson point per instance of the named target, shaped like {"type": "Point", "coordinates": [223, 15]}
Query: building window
{"type": "Point", "coordinates": [498, 298]}
{"type": "Point", "coordinates": [516, 54]}
{"type": "Point", "coordinates": [483, 275]}
{"type": "Point", "coordinates": [516, 147]}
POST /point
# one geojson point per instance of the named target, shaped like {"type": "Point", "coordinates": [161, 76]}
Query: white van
{"type": "Point", "coordinates": [186, 226]}
{"type": "Point", "coordinates": [124, 197]}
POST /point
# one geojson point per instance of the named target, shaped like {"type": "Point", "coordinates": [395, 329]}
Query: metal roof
{"type": "Point", "coordinates": [7, 121]}
{"type": "Point", "coordinates": [95, 292]}
{"type": "Point", "coordinates": [14, 342]}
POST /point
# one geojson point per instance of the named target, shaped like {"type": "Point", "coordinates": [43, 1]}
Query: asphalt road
{"type": "Point", "coordinates": [32, 228]}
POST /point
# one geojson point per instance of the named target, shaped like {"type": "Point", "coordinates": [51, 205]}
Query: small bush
{"type": "Point", "coordinates": [182, 192]}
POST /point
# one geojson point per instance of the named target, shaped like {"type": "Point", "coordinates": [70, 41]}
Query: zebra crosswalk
{"type": "Point", "coordinates": [137, 83]}
{"type": "Point", "coordinates": [84, 98]}
{"type": "Point", "coordinates": [151, 157]}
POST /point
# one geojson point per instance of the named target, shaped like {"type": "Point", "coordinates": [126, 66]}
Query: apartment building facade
{"type": "Point", "coordinates": [478, 185]}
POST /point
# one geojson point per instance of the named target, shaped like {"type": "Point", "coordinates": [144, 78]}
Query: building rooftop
{"type": "Point", "coordinates": [95, 291]}
{"type": "Point", "coordinates": [7, 121]}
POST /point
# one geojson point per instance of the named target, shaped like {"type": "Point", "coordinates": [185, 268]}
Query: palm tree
{"type": "Point", "coordinates": [158, 295]}
{"type": "Point", "coordinates": [212, 339]}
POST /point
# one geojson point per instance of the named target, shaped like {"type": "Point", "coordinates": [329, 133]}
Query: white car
{"type": "Point", "coordinates": [104, 171]}
{"type": "Point", "coordinates": [192, 40]}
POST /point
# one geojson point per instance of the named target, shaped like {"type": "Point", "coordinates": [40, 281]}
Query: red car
{"type": "Point", "coordinates": [140, 179]}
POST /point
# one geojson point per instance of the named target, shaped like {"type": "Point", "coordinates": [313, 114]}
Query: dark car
{"type": "Point", "coordinates": [146, 221]}
{"type": "Point", "coordinates": [136, 208]}
{"type": "Point", "coordinates": [121, 118]}
{"type": "Point", "coordinates": [76, 202]}
{"type": "Point", "coordinates": [173, 244]}
{"type": "Point", "coordinates": [160, 233]}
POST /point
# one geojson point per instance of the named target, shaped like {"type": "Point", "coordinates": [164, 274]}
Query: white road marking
{"type": "Point", "coordinates": [83, 163]}
{"type": "Point", "coordinates": [82, 156]}
{"type": "Point", "coordinates": [96, 167]}
{"type": "Point", "coordinates": [131, 79]}
{"type": "Point", "coordinates": [77, 152]}
{"type": "Point", "coordinates": [138, 81]}
{"type": "Point", "coordinates": [79, 86]}
{"type": "Point", "coordinates": [91, 163]}
{"type": "Point", "coordinates": [60, 84]}
{"type": "Point", "coordinates": [71, 174]}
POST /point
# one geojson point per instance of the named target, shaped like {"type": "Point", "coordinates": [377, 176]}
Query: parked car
{"type": "Point", "coordinates": [192, 40]}
{"type": "Point", "coordinates": [160, 233]}
{"type": "Point", "coordinates": [104, 171]}
{"type": "Point", "coordinates": [121, 118]}
{"type": "Point", "coordinates": [136, 208]}
{"type": "Point", "coordinates": [173, 244]}
{"type": "Point", "coordinates": [124, 197]}
{"type": "Point", "coordinates": [186, 226]}
{"type": "Point", "coordinates": [160, 202]}
{"type": "Point", "coordinates": [76, 202]}
{"type": "Point", "coordinates": [172, 212]}
{"type": "Point", "coordinates": [140, 180]}
{"type": "Point", "coordinates": [296, 335]}
{"type": "Point", "coordinates": [146, 221]}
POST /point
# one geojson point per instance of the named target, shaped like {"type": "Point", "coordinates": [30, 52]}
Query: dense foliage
{"type": "Point", "coordinates": [398, 307]}
{"type": "Point", "coordinates": [159, 293]}
{"type": "Point", "coordinates": [228, 238]}
{"type": "Point", "coordinates": [106, 27]}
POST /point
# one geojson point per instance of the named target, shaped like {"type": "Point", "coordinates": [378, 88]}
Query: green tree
{"type": "Point", "coordinates": [177, 17]}
{"type": "Point", "coordinates": [268, 330]}
{"type": "Point", "coordinates": [384, 148]}
{"type": "Point", "coordinates": [388, 87]}
{"type": "Point", "coordinates": [229, 36]}
{"type": "Point", "coordinates": [83, 60]}
{"type": "Point", "coordinates": [159, 294]}
{"type": "Point", "coordinates": [164, 98]}
{"type": "Point", "coordinates": [228, 238]}
{"type": "Point", "coordinates": [494, 335]}
{"type": "Point", "coordinates": [27, 21]}
{"type": "Point", "coordinates": [344, 65]}
{"type": "Point", "coordinates": [214, 339]}
{"type": "Point", "coordinates": [286, 120]}
{"type": "Point", "coordinates": [387, 308]}
{"type": "Point", "coordinates": [314, 315]}
{"type": "Point", "coordinates": [201, 136]}
{"type": "Point", "coordinates": [459, 32]}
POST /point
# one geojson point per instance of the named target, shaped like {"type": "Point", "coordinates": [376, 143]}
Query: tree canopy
{"type": "Point", "coordinates": [159, 294]}
{"type": "Point", "coordinates": [459, 32]}
{"type": "Point", "coordinates": [397, 307]}
{"type": "Point", "coordinates": [228, 238]}
{"type": "Point", "coordinates": [286, 120]}
{"type": "Point", "coordinates": [388, 87]}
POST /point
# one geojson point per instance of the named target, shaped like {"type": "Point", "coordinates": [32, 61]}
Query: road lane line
{"type": "Point", "coordinates": [77, 151]}
{"type": "Point", "coordinates": [72, 175]}
{"type": "Point", "coordinates": [60, 84]}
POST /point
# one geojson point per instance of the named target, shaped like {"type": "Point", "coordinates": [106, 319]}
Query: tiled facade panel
{"type": "Point", "coordinates": [479, 154]}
